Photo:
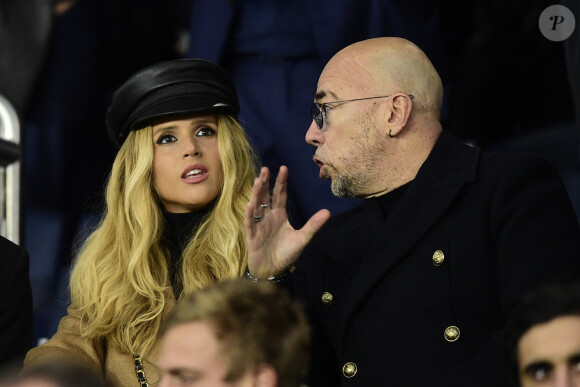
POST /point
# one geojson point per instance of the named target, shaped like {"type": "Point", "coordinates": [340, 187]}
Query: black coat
{"type": "Point", "coordinates": [16, 311]}
{"type": "Point", "coordinates": [503, 224]}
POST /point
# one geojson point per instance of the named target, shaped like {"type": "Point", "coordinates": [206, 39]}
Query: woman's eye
{"type": "Point", "coordinates": [541, 374]}
{"type": "Point", "coordinates": [205, 131]}
{"type": "Point", "coordinates": [576, 363]}
{"type": "Point", "coordinates": [166, 139]}
{"type": "Point", "coordinates": [185, 380]}
{"type": "Point", "coordinates": [539, 371]}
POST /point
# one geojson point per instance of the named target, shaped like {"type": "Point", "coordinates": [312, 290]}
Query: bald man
{"type": "Point", "coordinates": [413, 287]}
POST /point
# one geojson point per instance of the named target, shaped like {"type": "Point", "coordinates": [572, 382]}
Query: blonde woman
{"type": "Point", "coordinates": [173, 223]}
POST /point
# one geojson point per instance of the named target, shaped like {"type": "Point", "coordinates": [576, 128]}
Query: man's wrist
{"type": "Point", "coordinates": [277, 279]}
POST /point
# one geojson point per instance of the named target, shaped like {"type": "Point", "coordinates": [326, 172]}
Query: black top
{"type": "Point", "coordinates": [389, 200]}
{"type": "Point", "coordinates": [179, 229]}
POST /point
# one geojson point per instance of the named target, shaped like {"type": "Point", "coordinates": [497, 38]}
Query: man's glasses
{"type": "Point", "coordinates": [319, 110]}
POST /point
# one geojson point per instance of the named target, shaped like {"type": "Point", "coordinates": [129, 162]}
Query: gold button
{"type": "Point", "coordinates": [452, 333]}
{"type": "Point", "coordinates": [438, 258]}
{"type": "Point", "coordinates": [327, 299]}
{"type": "Point", "coordinates": [349, 369]}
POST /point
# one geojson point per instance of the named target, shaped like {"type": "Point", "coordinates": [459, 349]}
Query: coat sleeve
{"type": "Point", "coordinates": [67, 344]}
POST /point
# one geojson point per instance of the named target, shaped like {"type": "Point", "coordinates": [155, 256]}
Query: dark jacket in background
{"type": "Point", "coordinates": [16, 311]}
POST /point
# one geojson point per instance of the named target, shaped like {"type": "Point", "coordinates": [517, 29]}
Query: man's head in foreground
{"type": "Point", "coordinates": [236, 333]}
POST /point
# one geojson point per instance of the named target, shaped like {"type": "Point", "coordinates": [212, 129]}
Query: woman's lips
{"type": "Point", "coordinates": [194, 174]}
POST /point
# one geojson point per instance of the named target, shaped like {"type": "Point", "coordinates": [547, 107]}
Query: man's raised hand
{"type": "Point", "coordinates": [273, 244]}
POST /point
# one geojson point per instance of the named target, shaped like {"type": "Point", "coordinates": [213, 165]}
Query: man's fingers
{"type": "Point", "coordinates": [313, 225]}
{"type": "Point", "coordinates": [249, 215]}
{"type": "Point", "coordinates": [260, 188]}
{"type": "Point", "coordinates": [279, 196]}
{"type": "Point", "coordinates": [259, 192]}
{"type": "Point", "coordinates": [264, 193]}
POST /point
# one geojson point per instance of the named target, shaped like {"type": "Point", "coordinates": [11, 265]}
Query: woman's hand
{"type": "Point", "coordinates": [273, 244]}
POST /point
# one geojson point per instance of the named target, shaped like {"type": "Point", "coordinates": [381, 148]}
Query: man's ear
{"type": "Point", "coordinates": [399, 111]}
{"type": "Point", "coordinates": [265, 376]}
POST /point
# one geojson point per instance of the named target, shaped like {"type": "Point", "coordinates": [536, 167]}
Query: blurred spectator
{"type": "Point", "coordinates": [508, 79]}
{"type": "Point", "coordinates": [24, 34]}
{"type": "Point", "coordinates": [512, 88]}
{"type": "Point", "coordinates": [56, 374]}
{"type": "Point", "coordinates": [572, 50]}
{"type": "Point", "coordinates": [16, 311]}
{"type": "Point", "coordinates": [235, 332]}
{"type": "Point", "coordinates": [543, 338]}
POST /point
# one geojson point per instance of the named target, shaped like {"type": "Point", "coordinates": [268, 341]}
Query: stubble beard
{"type": "Point", "coordinates": [347, 185]}
{"type": "Point", "coordinates": [358, 179]}
{"type": "Point", "coordinates": [344, 186]}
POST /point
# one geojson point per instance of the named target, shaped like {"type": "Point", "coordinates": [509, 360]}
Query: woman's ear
{"type": "Point", "coordinates": [399, 111]}
{"type": "Point", "coordinates": [265, 376]}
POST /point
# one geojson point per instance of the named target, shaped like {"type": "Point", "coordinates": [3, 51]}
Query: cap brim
{"type": "Point", "coordinates": [183, 105]}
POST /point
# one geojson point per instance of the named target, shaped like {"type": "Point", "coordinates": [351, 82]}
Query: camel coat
{"type": "Point", "coordinates": [103, 356]}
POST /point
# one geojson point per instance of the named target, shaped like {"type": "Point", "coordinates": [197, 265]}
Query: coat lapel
{"type": "Point", "coordinates": [449, 167]}
{"type": "Point", "coordinates": [336, 236]}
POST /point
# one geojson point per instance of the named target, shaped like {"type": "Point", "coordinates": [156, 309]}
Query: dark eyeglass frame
{"type": "Point", "coordinates": [319, 110]}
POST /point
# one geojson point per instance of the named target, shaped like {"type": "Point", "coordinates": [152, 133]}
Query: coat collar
{"type": "Point", "coordinates": [450, 162]}
{"type": "Point", "coordinates": [448, 168]}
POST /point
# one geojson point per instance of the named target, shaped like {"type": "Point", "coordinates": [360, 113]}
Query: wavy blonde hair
{"type": "Point", "coordinates": [120, 279]}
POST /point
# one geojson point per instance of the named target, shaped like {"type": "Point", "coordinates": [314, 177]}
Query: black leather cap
{"type": "Point", "coordinates": [170, 88]}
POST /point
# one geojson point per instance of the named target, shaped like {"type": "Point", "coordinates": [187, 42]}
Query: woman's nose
{"type": "Point", "coordinates": [190, 148]}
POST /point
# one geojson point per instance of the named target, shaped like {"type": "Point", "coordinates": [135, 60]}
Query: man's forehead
{"type": "Point", "coordinates": [346, 79]}
{"type": "Point", "coordinates": [557, 338]}
{"type": "Point", "coordinates": [187, 338]}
